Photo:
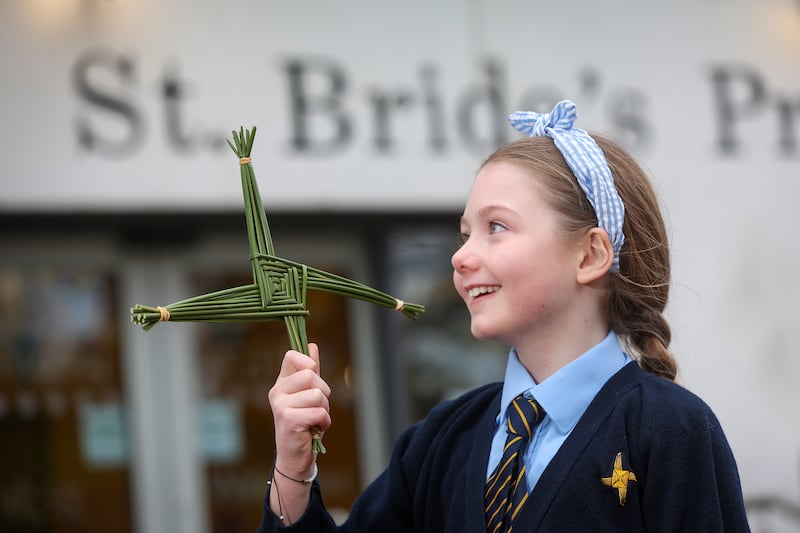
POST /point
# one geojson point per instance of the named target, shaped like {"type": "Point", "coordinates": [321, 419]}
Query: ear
{"type": "Point", "coordinates": [596, 256]}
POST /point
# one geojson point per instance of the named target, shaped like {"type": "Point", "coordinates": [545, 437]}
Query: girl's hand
{"type": "Point", "coordinates": [299, 401]}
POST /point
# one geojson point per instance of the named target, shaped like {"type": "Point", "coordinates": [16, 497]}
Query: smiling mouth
{"type": "Point", "coordinates": [474, 292]}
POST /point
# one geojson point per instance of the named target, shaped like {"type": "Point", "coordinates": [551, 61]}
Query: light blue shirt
{"type": "Point", "coordinates": [565, 396]}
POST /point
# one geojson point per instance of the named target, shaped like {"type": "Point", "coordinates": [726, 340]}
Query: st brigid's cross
{"type": "Point", "coordinates": [279, 285]}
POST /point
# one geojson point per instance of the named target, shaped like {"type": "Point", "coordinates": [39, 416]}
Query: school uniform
{"type": "Point", "coordinates": [645, 455]}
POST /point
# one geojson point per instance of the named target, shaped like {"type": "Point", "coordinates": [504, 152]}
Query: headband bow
{"type": "Point", "coordinates": [587, 162]}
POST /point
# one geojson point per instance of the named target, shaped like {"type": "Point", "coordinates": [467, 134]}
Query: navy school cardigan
{"type": "Point", "coordinates": [647, 455]}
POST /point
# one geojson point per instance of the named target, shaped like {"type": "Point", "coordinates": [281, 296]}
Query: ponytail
{"type": "Point", "coordinates": [639, 291]}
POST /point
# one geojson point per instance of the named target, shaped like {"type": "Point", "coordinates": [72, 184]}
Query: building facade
{"type": "Point", "coordinates": [117, 188]}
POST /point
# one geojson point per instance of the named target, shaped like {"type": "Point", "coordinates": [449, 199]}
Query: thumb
{"type": "Point", "coordinates": [313, 352]}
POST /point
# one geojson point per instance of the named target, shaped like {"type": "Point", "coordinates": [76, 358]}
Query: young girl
{"type": "Point", "coordinates": [564, 257]}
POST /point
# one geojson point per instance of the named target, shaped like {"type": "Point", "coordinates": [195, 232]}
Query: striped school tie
{"type": "Point", "coordinates": [503, 500]}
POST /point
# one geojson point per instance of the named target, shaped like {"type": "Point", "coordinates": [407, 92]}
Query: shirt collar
{"type": "Point", "coordinates": [566, 394]}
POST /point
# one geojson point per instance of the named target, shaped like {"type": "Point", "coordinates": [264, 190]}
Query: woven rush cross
{"type": "Point", "coordinates": [279, 285]}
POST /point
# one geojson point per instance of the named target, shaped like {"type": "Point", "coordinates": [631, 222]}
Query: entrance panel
{"type": "Point", "coordinates": [237, 364]}
{"type": "Point", "coordinates": [63, 439]}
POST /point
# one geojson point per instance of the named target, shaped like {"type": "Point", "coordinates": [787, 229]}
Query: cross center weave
{"type": "Point", "coordinates": [503, 499]}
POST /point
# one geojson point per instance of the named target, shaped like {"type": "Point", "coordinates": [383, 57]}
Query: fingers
{"type": "Point", "coordinates": [300, 401]}
{"type": "Point", "coordinates": [300, 372]}
{"type": "Point", "coordinates": [304, 398]}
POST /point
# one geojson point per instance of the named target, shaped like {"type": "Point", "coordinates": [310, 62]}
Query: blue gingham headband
{"type": "Point", "coordinates": [587, 162]}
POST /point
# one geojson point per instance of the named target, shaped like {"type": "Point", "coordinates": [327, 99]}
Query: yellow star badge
{"type": "Point", "coordinates": [619, 479]}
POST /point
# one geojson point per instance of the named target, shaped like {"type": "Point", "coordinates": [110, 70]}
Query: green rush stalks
{"type": "Point", "coordinates": [279, 286]}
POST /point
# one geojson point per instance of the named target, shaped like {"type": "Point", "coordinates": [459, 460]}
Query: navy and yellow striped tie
{"type": "Point", "coordinates": [503, 500]}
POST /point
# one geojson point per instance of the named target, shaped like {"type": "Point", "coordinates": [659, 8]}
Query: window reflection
{"type": "Point", "coordinates": [63, 436]}
{"type": "Point", "coordinates": [437, 354]}
{"type": "Point", "coordinates": [238, 363]}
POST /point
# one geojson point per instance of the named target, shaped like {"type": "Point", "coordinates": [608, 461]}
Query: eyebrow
{"type": "Point", "coordinates": [487, 210]}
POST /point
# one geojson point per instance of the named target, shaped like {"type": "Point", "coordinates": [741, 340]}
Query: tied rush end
{"type": "Point", "coordinates": [400, 304]}
{"type": "Point", "coordinates": [245, 160]}
{"type": "Point", "coordinates": [164, 314]}
{"type": "Point", "coordinates": [316, 441]}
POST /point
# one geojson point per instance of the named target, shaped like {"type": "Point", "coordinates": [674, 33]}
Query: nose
{"type": "Point", "coordinates": [463, 259]}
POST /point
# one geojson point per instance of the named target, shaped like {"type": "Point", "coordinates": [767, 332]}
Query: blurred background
{"type": "Point", "coordinates": [117, 188]}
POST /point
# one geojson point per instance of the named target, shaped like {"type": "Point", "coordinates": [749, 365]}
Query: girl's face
{"type": "Point", "coordinates": [515, 270]}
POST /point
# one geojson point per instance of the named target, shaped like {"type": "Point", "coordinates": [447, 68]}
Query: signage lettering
{"type": "Point", "coordinates": [327, 115]}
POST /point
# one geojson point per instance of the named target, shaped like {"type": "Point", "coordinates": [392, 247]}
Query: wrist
{"type": "Point", "coordinates": [301, 479]}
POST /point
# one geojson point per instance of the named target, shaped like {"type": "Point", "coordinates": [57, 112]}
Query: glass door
{"type": "Point", "coordinates": [63, 438]}
{"type": "Point", "coordinates": [105, 427]}
{"type": "Point", "coordinates": [238, 363]}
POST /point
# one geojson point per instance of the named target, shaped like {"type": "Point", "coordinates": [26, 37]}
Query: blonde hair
{"type": "Point", "coordinates": [639, 290]}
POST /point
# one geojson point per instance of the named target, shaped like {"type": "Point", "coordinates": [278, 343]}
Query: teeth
{"type": "Point", "coordinates": [477, 291]}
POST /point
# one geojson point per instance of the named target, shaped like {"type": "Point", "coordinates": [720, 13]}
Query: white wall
{"type": "Point", "coordinates": [705, 92]}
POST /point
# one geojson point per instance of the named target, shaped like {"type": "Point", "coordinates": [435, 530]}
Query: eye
{"type": "Point", "coordinates": [463, 236]}
{"type": "Point", "coordinates": [496, 227]}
